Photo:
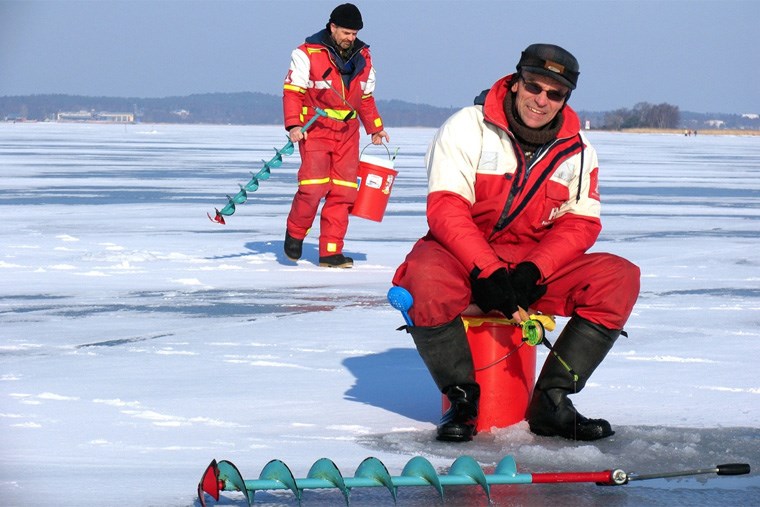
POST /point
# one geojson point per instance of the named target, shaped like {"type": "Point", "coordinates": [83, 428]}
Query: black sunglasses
{"type": "Point", "coordinates": [536, 89]}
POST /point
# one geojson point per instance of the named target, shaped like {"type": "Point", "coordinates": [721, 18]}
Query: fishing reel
{"type": "Point", "coordinates": [533, 332]}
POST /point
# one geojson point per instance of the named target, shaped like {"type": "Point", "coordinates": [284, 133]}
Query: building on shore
{"type": "Point", "coordinates": [93, 117]}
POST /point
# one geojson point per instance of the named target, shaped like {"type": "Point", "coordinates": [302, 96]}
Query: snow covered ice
{"type": "Point", "coordinates": [139, 340]}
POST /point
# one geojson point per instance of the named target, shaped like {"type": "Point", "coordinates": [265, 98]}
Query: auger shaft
{"type": "Point", "coordinates": [399, 481]}
{"type": "Point", "coordinates": [604, 477]}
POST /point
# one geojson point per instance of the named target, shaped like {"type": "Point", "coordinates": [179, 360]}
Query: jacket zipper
{"type": "Point", "coordinates": [521, 178]}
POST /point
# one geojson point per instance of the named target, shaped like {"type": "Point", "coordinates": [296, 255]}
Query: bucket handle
{"type": "Point", "coordinates": [386, 150]}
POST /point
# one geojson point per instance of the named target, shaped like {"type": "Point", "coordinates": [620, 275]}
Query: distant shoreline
{"type": "Point", "coordinates": [705, 132]}
{"type": "Point", "coordinates": [680, 132]}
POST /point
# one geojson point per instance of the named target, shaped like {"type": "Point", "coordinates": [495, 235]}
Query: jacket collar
{"type": "Point", "coordinates": [322, 37]}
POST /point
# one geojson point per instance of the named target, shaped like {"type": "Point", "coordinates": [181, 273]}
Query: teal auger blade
{"type": "Point", "coordinates": [506, 466]}
{"type": "Point", "coordinates": [467, 467]}
{"type": "Point", "coordinates": [275, 161]}
{"type": "Point", "coordinates": [252, 185]}
{"type": "Point", "coordinates": [265, 172]}
{"type": "Point", "coordinates": [375, 470]}
{"type": "Point", "coordinates": [326, 470]}
{"type": "Point", "coordinates": [279, 472]}
{"type": "Point", "coordinates": [229, 209]}
{"type": "Point", "coordinates": [241, 196]}
{"type": "Point", "coordinates": [229, 473]}
{"type": "Point", "coordinates": [288, 149]}
{"type": "Point", "coordinates": [420, 468]}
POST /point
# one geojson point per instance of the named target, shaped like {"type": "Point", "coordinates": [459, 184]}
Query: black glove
{"type": "Point", "coordinates": [495, 293]}
{"type": "Point", "coordinates": [524, 281]}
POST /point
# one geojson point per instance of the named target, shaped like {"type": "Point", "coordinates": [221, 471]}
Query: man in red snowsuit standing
{"type": "Point", "coordinates": [332, 71]}
{"type": "Point", "coordinates": [513, 206]}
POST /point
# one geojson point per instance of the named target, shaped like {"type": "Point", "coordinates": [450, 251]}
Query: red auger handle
{"type": "Point", "coordinates": [733, 469]}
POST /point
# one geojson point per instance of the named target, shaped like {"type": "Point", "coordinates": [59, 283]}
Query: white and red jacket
{"type": "Point", "coordinates": [490, 210]}
{"type": "Point", "coordinates": [307, 87]}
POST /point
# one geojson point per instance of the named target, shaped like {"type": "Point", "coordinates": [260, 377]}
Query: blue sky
{"type": "Point", "coordinates": [699, 55]}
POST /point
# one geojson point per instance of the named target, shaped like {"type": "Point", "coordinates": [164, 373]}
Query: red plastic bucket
{"type": "Point", "coordinates": [375, 177]}
{"type": "Point", "coordinates": [505, 373]}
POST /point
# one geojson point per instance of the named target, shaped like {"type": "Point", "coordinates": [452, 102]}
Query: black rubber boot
{"type": "Point", "coordinates": [582, 345]}
{"type": "Point", "coordinates": [459, 422]}
{"type": "Point", "coordinates": [293, 247]}
{"type": "Point", "coordinates": [336, 261]}
{"type": "Point", "coordinates": [446, 353]}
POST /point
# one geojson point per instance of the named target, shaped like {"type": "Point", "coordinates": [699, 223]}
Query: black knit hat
{"type": "Point", "coordinates": [347, 16]}
{"type": "Point", "coordinates": [552, 61]}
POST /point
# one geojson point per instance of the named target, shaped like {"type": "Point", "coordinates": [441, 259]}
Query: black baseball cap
{"type": "Point", "coordinates": [550, 60]}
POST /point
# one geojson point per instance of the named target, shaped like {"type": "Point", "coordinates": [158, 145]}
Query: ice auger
{"type": "Point", "coordinates": [263, 174]}
{"type": "Point", "coordinates": [465, 471]}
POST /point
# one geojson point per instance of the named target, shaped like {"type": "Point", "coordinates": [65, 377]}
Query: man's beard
{"type": "Point", "coordinates": [343, 50]}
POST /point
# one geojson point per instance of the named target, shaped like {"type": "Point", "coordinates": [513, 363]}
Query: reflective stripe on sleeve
{"type": "Point", "coordinates": [294, 88]}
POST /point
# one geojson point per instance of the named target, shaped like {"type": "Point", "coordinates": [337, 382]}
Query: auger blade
{"type": "Point", "coordinates": [218, 218]}
{"type": "Point", "coordinates": [229, 209]}
{"type": "Point", "coordinates": [279, 472]}
{"type": "Point", "coordinates": [253, 184]}
{"type": "Point", "coordinates": [468, 467]}
{"type": "Point", "coordinates": [241, 196]}
{"type": "Point", "coordinates": [209, 483]}
{"type": "Point", "coordinates": [228, 473]}
{"type": "Point", "coordinates": [325, 469]}
{"type": "Point", "coordinates": [374, 469]}
{"type": "Point", "coordinates": [275, 161]}
{"type": "Point", "coordinates": [420, 468]}
{"type": "Point", "coordinates": [506, 466]}
{"type": "Point", "coordinates": [287, 149]}
{"type": "Point", "coordinates": [264, 173]}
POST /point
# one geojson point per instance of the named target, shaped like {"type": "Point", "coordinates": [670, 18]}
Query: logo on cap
{"type": "Point", "coordinates": [554, 66]}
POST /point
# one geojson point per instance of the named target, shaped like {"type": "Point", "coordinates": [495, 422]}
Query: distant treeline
{"type": "Point", "coordinates": [667, 116]}
{"type": "Point", "coordinates": [245, 108]}
{"type": "Point", "coordinates": [644, 115]}
{"type": "Point", "coordinates": [251, 108]}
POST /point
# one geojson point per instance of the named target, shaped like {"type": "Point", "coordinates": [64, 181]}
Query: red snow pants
{"type": "Point", "coordinates": [328, 170]}
{"type": "Point", "coordinates": [599, 287]}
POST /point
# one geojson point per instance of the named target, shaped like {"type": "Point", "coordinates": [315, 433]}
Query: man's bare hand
{"type": "Point", "coordinates": [378, 137]}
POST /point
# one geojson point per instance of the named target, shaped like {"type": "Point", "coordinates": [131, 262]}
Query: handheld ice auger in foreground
{"type": "Point", "coordinates": [465, 471]}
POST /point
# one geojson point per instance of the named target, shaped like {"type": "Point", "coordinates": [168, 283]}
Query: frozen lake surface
{"type": "Point", "coordinates": [139, 340]}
